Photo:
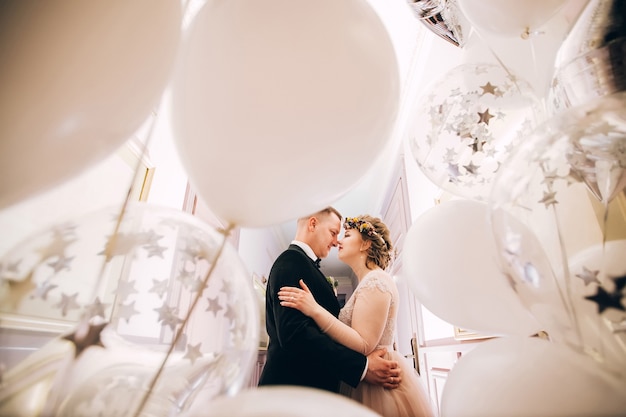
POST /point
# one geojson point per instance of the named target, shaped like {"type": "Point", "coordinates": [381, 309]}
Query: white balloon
{"type": "Point", "coordinates": [509, 17]}
{"type": "Point", "coordinates": [530, 57]}
{"type": "Point", "coordinates": [273, 99]}
{"type": "Point", "coordinates": [516, 376]}
{"type": "Point", "coordinates": [450, 262]}
{"type": "Point", "coordinates": [77, 80]}
{"type": "Point", "coordinates": [282, 401]}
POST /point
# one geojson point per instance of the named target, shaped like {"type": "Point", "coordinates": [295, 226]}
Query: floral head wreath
{"type": "Point", "coordinates": [362, 226]}
{"type": "Point", "coordinates": [367, 228]}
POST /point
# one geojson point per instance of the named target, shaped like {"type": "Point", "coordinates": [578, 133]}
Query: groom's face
{"type": "Point", "coordinates": [327, 228]}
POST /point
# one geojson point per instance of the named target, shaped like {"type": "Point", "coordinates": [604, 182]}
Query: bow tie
{"type": "Point", "coordinates": [317, 262]}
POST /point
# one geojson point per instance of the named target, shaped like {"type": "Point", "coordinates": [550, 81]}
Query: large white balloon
{"type": "Point", "coordinates": [509, 17]}
{"type": "Point", "coordinates": [516, 376]}
{"type": "Point", "coordinates": [281, 401]}
{"type": "Point", "coordinates": [531, 56]}
{"type": "Point", "coordinates": [280, 107]}
{"type": "Point", "coordinates": [450, 262]}
{"type": "Point", "coordinates": [77, 80]}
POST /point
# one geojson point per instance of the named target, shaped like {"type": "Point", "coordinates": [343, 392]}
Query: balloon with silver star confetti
{"type": "Point", "coordinates": [159, 289]}
{"type": "Point", "coordinates": [558, 196]}
{"type": "Point", "coordinates": [466, 125]}
{"type": "Point", "coordinates": [115, 381]}
{"type": "Point", "coordinates": [598, 279]}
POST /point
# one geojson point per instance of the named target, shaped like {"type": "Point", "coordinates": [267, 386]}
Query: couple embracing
{"type": "Point", "coordinates": [316, 344]}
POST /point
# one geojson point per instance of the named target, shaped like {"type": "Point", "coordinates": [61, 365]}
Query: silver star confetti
{"type": "Point", "coordinates": [126, 311]}
{"type": "Point", "coordinates": [588, 276]}
{"type": "Point", "coordinates": [193, 352]}
{"type": "Point", "coordinates": [60, 264]}
{"type": "Point", "coordinates": [67, 303]}
{"type": "Point", "coordinates": [168, 317]}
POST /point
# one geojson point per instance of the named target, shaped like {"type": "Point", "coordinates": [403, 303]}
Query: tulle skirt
{"type": "Point", "coordinates": [410, 399]}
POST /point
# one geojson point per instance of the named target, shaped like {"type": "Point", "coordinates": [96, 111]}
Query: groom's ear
{"type": "Point", "coordinates": [313, 222]}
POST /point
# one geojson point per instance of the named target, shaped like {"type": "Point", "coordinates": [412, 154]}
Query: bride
{"type": "Point", "coordinates": [367, 321]}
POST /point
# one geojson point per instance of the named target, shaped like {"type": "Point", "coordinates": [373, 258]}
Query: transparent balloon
{"type": "Point", "coordinates": [467, 123]}
{"type": "Point", "coordinates": [160, 305]}
{"type": "Point", "coordinates": [555, 200]}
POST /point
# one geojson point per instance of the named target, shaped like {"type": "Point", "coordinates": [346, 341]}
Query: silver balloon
{"type": "Point", "coordinates": [591, 62]}
{"type": "Point", "coordinates": [441, 18]}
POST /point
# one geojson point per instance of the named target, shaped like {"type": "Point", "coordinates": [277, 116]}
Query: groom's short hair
{"type": "Point", "coordinates": [323, 212]}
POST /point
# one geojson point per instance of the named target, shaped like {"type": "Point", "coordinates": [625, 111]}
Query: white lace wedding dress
{"type": "Point", "coordinates": [371, 314]}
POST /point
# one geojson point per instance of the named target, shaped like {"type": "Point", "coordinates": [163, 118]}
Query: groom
{"type": "Point", "coordinates": [298, 352]}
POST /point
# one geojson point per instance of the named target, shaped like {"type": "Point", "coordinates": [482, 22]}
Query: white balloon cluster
{"type": "Point", "coordinates": [545, 249]}
{"type": "Point", "coordinates": [268, 99]}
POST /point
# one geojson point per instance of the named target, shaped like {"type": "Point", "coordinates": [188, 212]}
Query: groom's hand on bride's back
{"type": "Point", "coordinates": [381, 371]}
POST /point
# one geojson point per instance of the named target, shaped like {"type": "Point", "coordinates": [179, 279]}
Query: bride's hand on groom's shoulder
{"type": "Point", "coordinates": [299, 298]}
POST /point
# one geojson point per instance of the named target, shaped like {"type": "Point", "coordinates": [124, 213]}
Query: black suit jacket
{"type": "Point", "coordinates": [298, 352]}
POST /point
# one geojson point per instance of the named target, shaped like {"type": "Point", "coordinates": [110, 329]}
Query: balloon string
{"type": "Point", "coordinates": [605, 220]}
{"type": "Point", "coordinates": [118, 222]}
{"type": "Point", "coordinates": [53, 396]}
{"type": "Point", "coordinates": [183, 325]}
{"type": "Point", "coordinates": [567, 300]}
{"type": "Point", "coordinates": [604, 274]}
{"type": "Point", "coordinates": [120, 217]}
{"type": "Point", "coordinates": [542, 94]}
{"type": "Point", "coordinates": [512, 76]}
{"type": "Point", "coordinates": [566, 275]}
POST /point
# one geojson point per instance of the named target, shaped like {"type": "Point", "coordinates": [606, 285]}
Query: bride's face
{"type": "Point", "coordinates": [351, 246]}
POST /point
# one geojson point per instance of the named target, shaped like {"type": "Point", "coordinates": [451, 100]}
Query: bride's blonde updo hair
{"type": "Point", "coordinates": [381, 251]}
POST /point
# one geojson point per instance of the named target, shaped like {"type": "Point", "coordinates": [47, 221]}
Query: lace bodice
{"type": "Point", "coordinates": [376, 296]}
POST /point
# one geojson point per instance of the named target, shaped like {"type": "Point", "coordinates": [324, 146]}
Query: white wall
{"type": "Point", "coordinates": [258, 248]}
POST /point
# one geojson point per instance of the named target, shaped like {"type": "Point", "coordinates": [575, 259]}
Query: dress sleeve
{"type": "Point", "coordinates": [369, 318]}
